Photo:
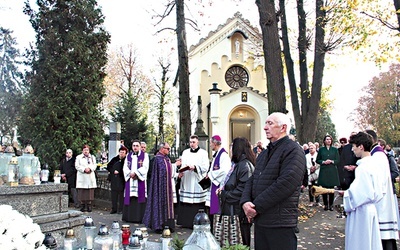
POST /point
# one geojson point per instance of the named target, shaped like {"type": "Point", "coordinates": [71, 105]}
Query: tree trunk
{"type": "Point", "coordinates": [289, 67]}
{"type": "Point", "coordinates": [183, 77]}
{"type": "Point", "coordinates": [304, 84]}
{"type": "Point", "coordinates": [397, 8]}
{"type": "Point", "coordinates": [310, 121]}
{"type": "Point", "coordinates": [272, 56]}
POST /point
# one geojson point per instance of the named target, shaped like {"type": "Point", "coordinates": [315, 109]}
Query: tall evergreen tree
{"type": "Point", "coordinates": [133, 123]}
{"type": "Point", "coordinates": [66, 81]}
{"type": "Point", "coordinates": [10, 82]}
{"type": "Point", "coordinates": [325, 126]}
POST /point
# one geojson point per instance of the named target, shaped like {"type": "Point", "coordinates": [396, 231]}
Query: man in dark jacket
{"type": "Point", "coordinates": [116, 177]}
{"type": "Point", "coordinates": [68, 174]}
{"type": "Point", "coordinates": [271, 195]}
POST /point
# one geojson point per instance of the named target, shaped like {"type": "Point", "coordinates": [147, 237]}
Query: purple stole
{"type": "Point", "coordinates": [214, 202]}
{"type": "Point", "coordinates": [170, 195]}
{"type": "Point", "coordinates": [377, 148]}
{"type": "Point", "coordinates": [141, 184]}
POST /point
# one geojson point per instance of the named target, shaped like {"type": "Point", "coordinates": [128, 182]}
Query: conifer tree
{"type": "Point", "coordinates": [11, 90]}
{"type": "Point", "coordinates": [65, 84]}
{"type": "Point", "coordinates": [133, 122]}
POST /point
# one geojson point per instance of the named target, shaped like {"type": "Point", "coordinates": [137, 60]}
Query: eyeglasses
{"type": "Point", "coordinates": [167, 148]}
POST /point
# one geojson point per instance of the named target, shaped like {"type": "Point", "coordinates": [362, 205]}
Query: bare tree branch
{"type": "Point", "coordinates": [385, 23]}
{"type": "Point", "coordinates": [161, 30]}
{"type": "Point", "coordinates": [168, 9]}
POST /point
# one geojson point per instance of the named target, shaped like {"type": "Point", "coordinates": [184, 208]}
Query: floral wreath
{"type": "Point", "coordinates": [17, 231]}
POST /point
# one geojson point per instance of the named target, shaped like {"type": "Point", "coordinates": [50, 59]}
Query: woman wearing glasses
{"type": "Point", "coordinates": [85, 178]}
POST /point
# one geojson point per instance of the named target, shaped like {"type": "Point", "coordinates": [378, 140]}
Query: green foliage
{"type": "Point", "coordinates": [379, 107]}
{"type": "Point", "coordinates": [133, 122]}
{"type": "Point", "coordinates": [325, 126]}
{"type": "Point", "coordinates": [11, 89]}
{"type": "Point", "coordinates": [234, 247]}
{"type": "Point", "coordinates": [65, 84]}
{"type": "Point", "coordinates": [177, 244]}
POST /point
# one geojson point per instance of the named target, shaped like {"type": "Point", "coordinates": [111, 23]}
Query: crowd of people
{"type": "Point", "coordinates": [260, 185]}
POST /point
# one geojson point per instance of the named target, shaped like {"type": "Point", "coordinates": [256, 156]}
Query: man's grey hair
{"type": "Point", "coordinates": [161, 145]}
{"type": "Point", "coordinates": [283, 119]}
{"type": "Point", "coordinates": [143, 143]}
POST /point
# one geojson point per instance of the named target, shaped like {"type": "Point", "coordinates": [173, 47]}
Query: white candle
{"type": "Point", "coordinates": [89, 242]}
{"type": "Point", "coordinates": [67, 245]}
{"type": "Point", "coordinates": [115, 245]}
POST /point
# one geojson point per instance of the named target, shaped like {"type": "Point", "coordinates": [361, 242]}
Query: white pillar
{"type": "Point", "coordinates": [115, 139]}
{"type": "Point", "coordinates": [214, 101]}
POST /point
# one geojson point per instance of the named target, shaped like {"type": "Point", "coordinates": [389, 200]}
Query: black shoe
{"type": "Point", "coordinates": [83, 209]}
{"type": "Point", "coordinates": [113, 212]}
{"type": "Point", "coordinates": [89, 208]}
{"type": "Point", "coordinates": [296, 230]}
{"type": "Point", "coordinates": [158, 231]}
{"type": "Point", "coordinates": [331, 208]}
{"type": "Point", "coordinates": [326, 208]}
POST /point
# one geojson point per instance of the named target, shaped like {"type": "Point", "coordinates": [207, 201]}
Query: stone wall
{"type": "Point", "coordinates": [47, 205]}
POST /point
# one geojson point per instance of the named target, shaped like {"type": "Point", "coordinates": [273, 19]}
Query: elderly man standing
{"type": "Point", "coordinates": [68, 174]}
{"type": "Point", "coordinates": [135, 170]}
{"type": "Point", "coordinates": [160, 204]}
{"type": "Point", "coordinates": [192, 196]}
{"type": "Point", "coordinates": [271, 195]}
{"type": "Point", "coordinates": [220, 166]}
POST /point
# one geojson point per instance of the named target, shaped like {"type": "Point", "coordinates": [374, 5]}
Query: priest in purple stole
{"type": "Point", "coordinates": [135, 170]}
{"type": "Point", "coordinates": [161, 198]}
{"type": "Point", "coordinates": [220, 166]}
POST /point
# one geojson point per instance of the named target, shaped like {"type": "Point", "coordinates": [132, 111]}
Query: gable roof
{"type": "Point", "coordinates": [243, 26]}
{"type": "Point", "coordinates": [251, 89]}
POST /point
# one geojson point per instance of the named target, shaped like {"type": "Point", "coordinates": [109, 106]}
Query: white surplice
{"type": "Point", "coordinates": [387, 206]}
{"type": "Point", "coordinates": [190, 190]}
{"type": "Point", "coordinates": [141, 172]}
{"type": "Point", "coordinates": [217, 176]}
{"type": "Point", "coordinates": [362, 225]}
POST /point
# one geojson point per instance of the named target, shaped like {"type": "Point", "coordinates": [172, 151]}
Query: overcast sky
{"type": "Point", "coordinates": [131, 22]}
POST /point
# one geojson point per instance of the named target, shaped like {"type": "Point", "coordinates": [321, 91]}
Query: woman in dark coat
{"type": "Point", "coordinates": [116, 177]}
{"type": "Point", "coordinates": [243, 161]}
{"type": "Point", "coordinates": [328, 158]}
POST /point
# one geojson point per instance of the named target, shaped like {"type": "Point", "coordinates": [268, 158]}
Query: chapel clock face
{"type": "Point", "coordinates": [236, 77]}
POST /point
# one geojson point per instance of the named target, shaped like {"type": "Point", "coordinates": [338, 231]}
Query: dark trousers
{"type": "Point", "coordinates": [389, 244]}
{"type": "Point", "coordinates": [328, 199]}
{"type": "Point", "coordinates": [245, 229]}
{"type": "Point", "coordinates": [74, 195]}
{"type": "Point", "coordinates": [275, 238]}
{"type": "Point", "coordinates": [117, 201]}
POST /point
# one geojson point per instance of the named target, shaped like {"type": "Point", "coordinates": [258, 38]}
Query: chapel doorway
{"type": "Point", "coordinates": [242, 124]}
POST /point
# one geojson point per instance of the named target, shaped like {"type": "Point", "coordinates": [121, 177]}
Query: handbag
{"type": "Point", "coordinates": [313, 176]}
{"type": "Point", "coordinates": [226, 229]}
